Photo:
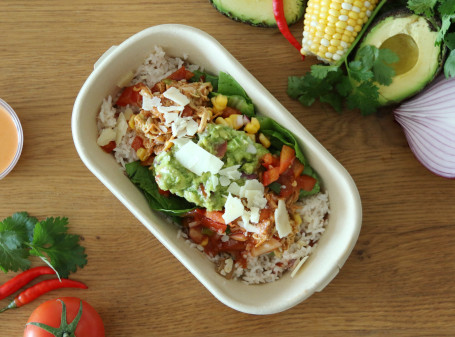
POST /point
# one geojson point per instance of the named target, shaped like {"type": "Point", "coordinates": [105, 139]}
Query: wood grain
{"type": "Point", "coordinates": [399, 279]}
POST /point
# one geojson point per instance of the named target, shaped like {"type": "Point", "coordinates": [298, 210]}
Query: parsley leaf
{"type": "Point", "coordinates": [50, 238]}
{"type": "Point", "coordinates": [422, 7]}
{"type": "Point", "coordinates": [22, 235]}
{"type": "Point", "coordinates": [449, 65]}
{"type": "Point", "coordinates": [357, 86]}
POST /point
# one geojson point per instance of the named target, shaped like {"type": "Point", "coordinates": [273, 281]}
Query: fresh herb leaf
{"type": "Point", "coordinates": [422, 7]}
{"type": "Point", "coordinates": [449, 65]}
{"type": "Point", "coordinates": [144, 179]}
{"type": "Point", "coordinates": [51, 238]}
{"type": "Point", "coordinates": [449, 40]}
{"type": "Point", "coordinates": [275, 187]}
{"type": "Point", "coordinates": [22, 235]}
{"type": "Point", "coordinates": [364, 97]}
{"type": "Point", "coordinates": [13, 255]}
{"type": "Point", "coordinates": [321, 71]}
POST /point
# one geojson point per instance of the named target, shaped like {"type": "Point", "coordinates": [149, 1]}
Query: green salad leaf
{"type": "Point", "coordinates": [144, 179]}
{"type": "Point", "coordinates": [280, 136]}
{"type": "Point", "coordinates": [22, 235]}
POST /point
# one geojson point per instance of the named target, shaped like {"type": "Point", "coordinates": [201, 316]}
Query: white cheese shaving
{"type": "Point", "coordinates": [255, 213]}
{"type": "Point", "coordinates": [233, 208]}
{"type": "Point", "coordinates": [174, 94]}
{"type": "Point", "coordinates": [106, 136]}
{"type": "Point", "coordinates": [282, 224]}
{"type": "Point", "coordinates": [197, 160]}
{"type": "Point", "coordinates": [150, 102]}
{"type": "Point", "coordinates": [120, 128]}
{"type": "Point", "coordinates": [234, 188]}
{"type": "Point", "coordinates": [231, 172]}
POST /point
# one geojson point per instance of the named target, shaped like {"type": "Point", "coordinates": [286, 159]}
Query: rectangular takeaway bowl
{"type": "Point", "coordinates": [346, 213]}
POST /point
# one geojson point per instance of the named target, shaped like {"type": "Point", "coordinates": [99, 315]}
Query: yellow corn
{"type": "Point", "coordinates": [297, 219]}
{"type": "Point", "coordinates": [142, 154]}
{"type": "Point", "coordinates": [235, 121]}
{"type": "Point", "coordinates": [330, 26]}
{"type": "Point", "coordinates": [219, 102]}
{"type": "Point", "coordinates": [253, 126]}
{"type": "Point", "coordinates": [221, 120]}
{"type": "Point", "coordinates": [204, 242]}
{"type": "Point", "coordinates": [264, 140]}
{"type": "Point", "coordinates": [131, 122]}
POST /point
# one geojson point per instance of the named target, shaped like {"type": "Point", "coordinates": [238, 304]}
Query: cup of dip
{"type": "Point", "coordinates": [11, 138]}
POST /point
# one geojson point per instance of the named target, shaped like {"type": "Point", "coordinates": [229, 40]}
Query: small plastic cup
{"type": "Point", "coordinates": [20, 139]}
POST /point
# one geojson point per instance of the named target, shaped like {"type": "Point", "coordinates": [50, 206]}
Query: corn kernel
{"type": "Point", "coordinates": [220, 121]}
{"type": "Point", "coordinates": [297, 219]}
{"type": "Point", "coordinates": [253, 126]}
{"type": "Point", "coordinates": [142, 154]}
{"type": "Point", "coordinates": [205, 241]}
{"type": "Point", "coordinates": [131, 122]}
{"type": "Point", "coordinates": [219, 102]}
{"type": "Point", "coordinates": [264, 140]}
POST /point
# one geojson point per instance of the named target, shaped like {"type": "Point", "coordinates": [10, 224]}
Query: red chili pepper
{"type": "Point", "coordinates": [278, 13]}
{"type": "Point", "coordinates": [32, 293]}
{"type": "Point", "coordinates": [20, 280]}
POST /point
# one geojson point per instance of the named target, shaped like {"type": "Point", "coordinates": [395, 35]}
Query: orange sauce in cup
{"type": "Point", "coordinates": [9, 139]}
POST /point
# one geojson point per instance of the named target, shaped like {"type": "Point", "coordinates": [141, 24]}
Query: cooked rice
{"type": "Point", "coordinates": [313, 210]}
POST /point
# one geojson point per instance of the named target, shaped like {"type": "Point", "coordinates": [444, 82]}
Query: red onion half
{"type": "Point", "coordinates": [428, 121]}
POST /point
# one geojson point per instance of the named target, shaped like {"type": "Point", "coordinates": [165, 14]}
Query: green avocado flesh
{"type": "Point", "coordinates": [259, 12]}
{"type": "Point", "coordinates": [412, 38]}
{"type": "Point", "coordinates": [206, 190]}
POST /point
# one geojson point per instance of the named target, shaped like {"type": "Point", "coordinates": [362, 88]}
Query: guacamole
{"type": "Point", "coordinates": [209, 190]}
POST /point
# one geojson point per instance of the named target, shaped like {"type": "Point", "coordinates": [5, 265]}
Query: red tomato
{"type": "Point", "coordinates": [109, 147]}
{"type": "Point", "coordinates": [49, 313]}
{"type": "Point", "coordinates": [270, 176]}
{"type": "Point", "coordinates": [130, 95]}
{"type": "Point", "coordinates": [137, 143]}
{"type": "Point", "coordinates": [181, 74]}
{"type": "Point", "coordinates": [287, 155]}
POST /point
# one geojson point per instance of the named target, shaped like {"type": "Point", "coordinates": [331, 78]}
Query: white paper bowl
{"type": "Point", "coordinates": [344, 221]}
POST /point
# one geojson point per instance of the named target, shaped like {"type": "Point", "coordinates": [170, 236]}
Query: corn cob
{"type": "Point", "coordinates": [330, 26]}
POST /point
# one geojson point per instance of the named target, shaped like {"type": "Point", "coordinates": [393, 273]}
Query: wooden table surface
{"type": "Point", "coordinates": [398, 281]}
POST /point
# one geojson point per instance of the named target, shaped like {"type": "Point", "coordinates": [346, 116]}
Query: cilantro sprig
{"type": "Point", "coordinates": [443, 11]}
{"type": "Point", "coordinates": [357, 85]}
{"type": "Point", "coordinates": [22, 236]}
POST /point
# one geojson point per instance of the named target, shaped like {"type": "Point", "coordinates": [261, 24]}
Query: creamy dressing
{"type": "Point", "coordinates": [9, 139]}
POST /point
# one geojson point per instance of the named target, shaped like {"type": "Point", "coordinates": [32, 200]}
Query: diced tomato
{"type": "Point", "coordinates": [130, 96]}
{"type": "Point", "coordinates": [215, 216]}
{"type": "Point", "coordinates": [287, 155]}
{"type": "Point", "coordinates": [212, 220]}
{"type": "Point", "coordinates": [297, 168]}
{"type": "Point", "coordinates": [181, 74]}
{"type": "Point", "coordinates": [306, 182]}
{"type": "Point", "coordinates": [163, 192]}
{"type": "Point", "coordinates": [137, 143]}
{"type": "Point", "coordinates": [270, 176]}
{"type": "Point", "coordinates": [109, 147]}
{"type": "Point", "coordinates": [270, 160]}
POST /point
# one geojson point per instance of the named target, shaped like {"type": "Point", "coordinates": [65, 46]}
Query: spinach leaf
{"type": "Point", "coordinates": [205, 77]}
{"type": "Point", "coordinates": [279, 135]}
{"type": "Point", "coordinates": [144, 179]}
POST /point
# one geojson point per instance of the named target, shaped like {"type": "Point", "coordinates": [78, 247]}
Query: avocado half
{"type": "Point", "coordinates": [259, 12]}
{"type": "Point", "coordinates": [413, 39]}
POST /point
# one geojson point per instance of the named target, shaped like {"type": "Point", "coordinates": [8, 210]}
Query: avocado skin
{"type": "Point", "coordinates": [236, 14]}
{"type": "Point", "coordinates": [392, 15]}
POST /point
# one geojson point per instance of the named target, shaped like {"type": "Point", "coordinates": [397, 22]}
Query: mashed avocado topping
{"type": "Point", "coordinates": [210, 190]}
